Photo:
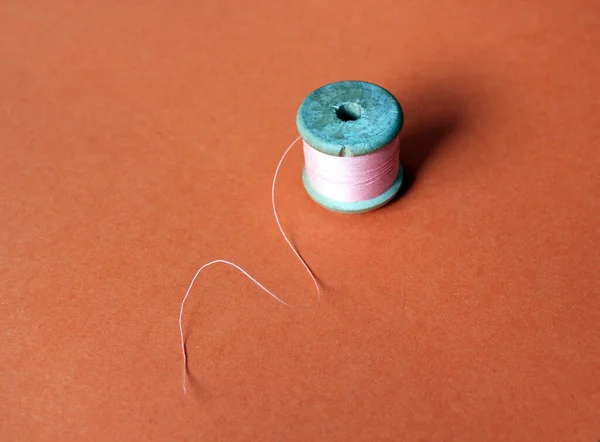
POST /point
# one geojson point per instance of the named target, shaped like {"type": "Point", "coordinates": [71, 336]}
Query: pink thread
{"type": "Point", "coordinates": [247, 274]}
{"type": "Point", "coordinates": [351, 179]}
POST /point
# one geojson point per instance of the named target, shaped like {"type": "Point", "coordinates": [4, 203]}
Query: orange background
{"type": "Point", "coordinates": [138, 141]}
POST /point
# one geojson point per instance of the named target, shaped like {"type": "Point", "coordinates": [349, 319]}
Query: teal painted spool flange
{"type": "Point", "coordinates": [350, 118]}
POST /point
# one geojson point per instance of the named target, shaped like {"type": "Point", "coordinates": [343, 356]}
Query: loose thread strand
{"type": "Point", "coordinates": [314, 279]}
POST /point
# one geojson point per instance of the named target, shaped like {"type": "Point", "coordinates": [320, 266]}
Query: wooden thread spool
{"type": "Point", "coordinates": [350, 118]}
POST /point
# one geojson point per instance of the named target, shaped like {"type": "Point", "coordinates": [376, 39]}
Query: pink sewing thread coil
{"type": "Point", "coordinates": [352, 179]}
{"type": "Point", "coordinates": [350, 132]}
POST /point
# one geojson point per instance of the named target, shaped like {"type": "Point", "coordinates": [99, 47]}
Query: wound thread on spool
{"type": "Point", "coordinates": [350, 131]}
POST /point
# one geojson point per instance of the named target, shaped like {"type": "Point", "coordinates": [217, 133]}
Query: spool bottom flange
{"type": "Point", "coordinates": [358, 206]}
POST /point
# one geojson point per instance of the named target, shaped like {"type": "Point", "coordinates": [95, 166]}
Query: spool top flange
{"type": "Point", "coordinates": [349, 118]}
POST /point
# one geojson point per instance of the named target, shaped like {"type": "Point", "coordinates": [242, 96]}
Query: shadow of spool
{"type": "Point", "coordinates": [432, 116]}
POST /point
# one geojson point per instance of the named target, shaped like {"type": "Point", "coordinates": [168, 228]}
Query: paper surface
{"type": "Point", "coordinates": [138, 142]}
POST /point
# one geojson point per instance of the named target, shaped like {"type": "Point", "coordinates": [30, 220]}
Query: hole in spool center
{"type": "Point", "coordinates": [349, 112]}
